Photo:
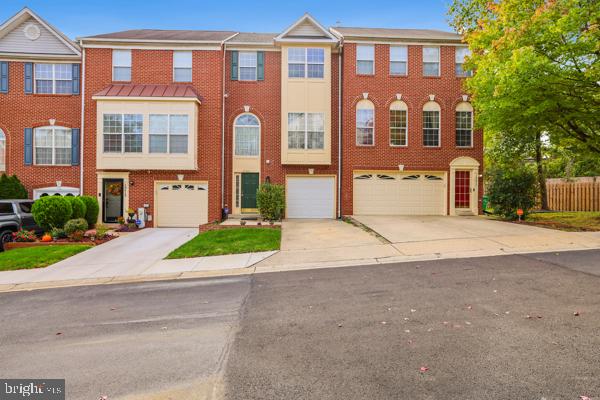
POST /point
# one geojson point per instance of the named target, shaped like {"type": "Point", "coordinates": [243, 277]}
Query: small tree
{"type": "Point", "coordinates": [512, 189]}
{"type": "Point", "coordinates": [51, 212]}
{"type": "Point", "coordinates": [92, 209]}
{"type": "Point", "coordinates": [78, 206]}
{"type": "Point", "coordinates": [12, 188]}
{"type": "Point", "coordinates": [271, 201]}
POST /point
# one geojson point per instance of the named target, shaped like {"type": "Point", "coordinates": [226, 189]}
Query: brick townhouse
{"type": "Point", "coordinates": [184, 124]}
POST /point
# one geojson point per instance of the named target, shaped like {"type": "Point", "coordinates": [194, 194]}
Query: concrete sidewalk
{"type": "Point", "coordinates": [132, 257]}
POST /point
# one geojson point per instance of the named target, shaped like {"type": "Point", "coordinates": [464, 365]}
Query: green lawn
{"type": "Point", "coordinates": [568, 221]}
{"type": "Point", "coordinates": [38, 257]}
{"type": "Point", "coordinates": [229, 241]}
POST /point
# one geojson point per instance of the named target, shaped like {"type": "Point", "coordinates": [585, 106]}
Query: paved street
{"type": "Point", "coordinates": [484, 328]}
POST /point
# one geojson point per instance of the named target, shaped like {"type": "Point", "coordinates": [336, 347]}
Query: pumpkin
{"type": "Point", "coordinates": [46, 238]}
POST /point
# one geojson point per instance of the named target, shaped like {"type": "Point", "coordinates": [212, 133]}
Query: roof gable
{"type": "Point", "coordinates": [27, 33]}
{"type": "Point", "coordinates": [306, 29]}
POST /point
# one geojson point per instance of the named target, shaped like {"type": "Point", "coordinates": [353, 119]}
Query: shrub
{"type": "Point", "coordinates": [12, 188]}
{"type": "Point", "coordinates": [58, 233]}
{"type": "Point", "coordinates": [512, 189]}
{"type": "Point", "coordinates": [101, 231]}
{"type": "Point", "coordinates": [92, 209]}
{"type": "Point", "coordinates": [51, 212]}
{"type": "Point", "coordinates": [76, 236]}
{"type": "Point", "coordinates": [271, 201]}
{"type": "Point", "coordinates": [73, 225]}
{"type": "Point", "coordinates": [24, 236]}
{"type": "Point", "coordinates": [79, 207]}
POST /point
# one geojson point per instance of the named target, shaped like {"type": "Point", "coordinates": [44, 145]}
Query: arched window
{"type": "Point", "coordinates": [2, 151]}
{"type": "Point", "coordinates": [247, 135]}
{"type": "Point", "coordinates": [52, 145]}
{"type": "Point", "coordinates": [464, 125]}
{"type": "Point", "coordinates": [398, 124]}
{"type": "Point", "coordinates": [431, 124]}
{"type": "Point", "coordinates": [365, 123]}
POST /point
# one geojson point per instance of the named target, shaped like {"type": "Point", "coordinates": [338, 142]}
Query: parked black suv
{"type": "Point", "coordinates": [15, 215]}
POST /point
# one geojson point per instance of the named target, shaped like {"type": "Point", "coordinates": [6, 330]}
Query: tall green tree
{"type": "Point", "coordinates": [537, 70]}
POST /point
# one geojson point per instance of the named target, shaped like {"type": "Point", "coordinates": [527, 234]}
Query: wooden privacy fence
{"type": "Point", "coordinates": [578, 194]}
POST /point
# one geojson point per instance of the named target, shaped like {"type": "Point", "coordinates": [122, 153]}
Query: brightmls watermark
{"type": "Point", "coordinates": [33, 389]}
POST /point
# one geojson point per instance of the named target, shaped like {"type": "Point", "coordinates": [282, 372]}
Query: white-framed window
{"type": "Point", "coordinates": [182, 66]}
{"type": "Point", "coordinates": [247, 65]}
{"type": "Point", "coordinates": [306, 131]}
{"type": "Point", "coordinates": [365, 59]}
{"type": "Point", "coordinates": [460, 54]}
{"type": "Point", "coordinates": [2, 151]}
{"type": "Point", "coordinates": [52, 145]}
{"type": "Point", "coordinates": [168, 133]}
{"type": "Point", "coordinates": [398, 124]}
{"type": "Point", "coordinates": [365, 123]}
{"type": "Point", "coordinates": [464, 125]}
{"type": "Point", "coordinates": [431, 124]}
{"type": "Point", "coordinates": [246, 130]}
{"type": "Point", "coordinates": [306, 62]}
{"type": "Point", "coordinates": [121, 64]}
{"type": "Point", "coordinates": [53, 78]}
{"type": "Point", "coordinates": [431, 61]}
{"type": "Point", "coordinates": [122, 133]}
{"type": "Point", "coordinates": [399, 60]}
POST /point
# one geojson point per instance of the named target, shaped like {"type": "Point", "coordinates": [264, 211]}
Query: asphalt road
{"type": "Point", "coordinates": [484, 328]}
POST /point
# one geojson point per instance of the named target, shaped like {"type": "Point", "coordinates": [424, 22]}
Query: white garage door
{"type": "Point", "coordinates": [310, 197]}
{"type": "Point", "coordinates": [181, 204]}
{"type": "Point", "coordinates": [399, 193]}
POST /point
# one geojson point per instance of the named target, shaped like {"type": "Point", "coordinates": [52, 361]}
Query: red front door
{"type": "Point", "coordinates": [462, 189]}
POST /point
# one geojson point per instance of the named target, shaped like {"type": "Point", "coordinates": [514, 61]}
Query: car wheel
{"type": "Point", "coordinates": [5, 237]}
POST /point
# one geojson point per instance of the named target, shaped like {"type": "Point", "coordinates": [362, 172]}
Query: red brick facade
{"type": "Point", "coordinates": [19, 111]}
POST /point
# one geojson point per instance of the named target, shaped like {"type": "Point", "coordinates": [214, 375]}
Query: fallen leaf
{"type": "Point", "coordinates": [383, 322]}
{"type": "Point", "coordinates": [413, 310]}
{"type": "Point", "coordinates": [423, 369]}
{"type": "Point", "coordinates": [112, 309]}
{"type": "Point", "coordinates": [495, 291]}
{"type": "Point", "coordinates": [406, 319]}
{"type": "Point", "coordinates": [429, 330]}
{"type": "Point", "coordinates": [445, 322]}
{"type": "Point", "coordinates": [528, 316]}
{"type": "Point", "coordinates": [407, 331]}
{"type": "Point", "coordinates": [339, 325]}
{"type": "Point", "coordinates": [58, 333]}
{"type": "Point", "coordinates": [507, 312]}
{"type": "Point", "coordinates": [469, 308]}
{"type": "Point", "coordinates": [576, 313]}
{"type": "Point", "coordinates": [467, 322]}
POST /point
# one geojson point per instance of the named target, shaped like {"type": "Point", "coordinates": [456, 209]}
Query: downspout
{"type": "Point", "coordinates": [339, 196]}
{"type": "Point", "coordinates": [223, 96]}
{"type": "Point", "coordinates": [81, 128]}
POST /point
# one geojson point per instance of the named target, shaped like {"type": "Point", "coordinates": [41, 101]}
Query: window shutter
{"type": "Point", "coordinates": [76, 78]}
{"type": "Point", "coordinates": [75, 146]}
{"type": "Point", "coordinates": [260, 65]}
{"type": "Point", "coordinates": [28, 78]}
{"type": "Point", "coordinates": [4, 77]}
{"type": "Point", "coordinates": [28, 146]}
{"type": "Point", "coordinates": [234, 65]}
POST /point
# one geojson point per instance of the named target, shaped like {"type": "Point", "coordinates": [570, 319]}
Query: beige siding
{"type": "Point", "coordinates": [306, 29]}
{"type": "Point", "coordinates": [16, 41]}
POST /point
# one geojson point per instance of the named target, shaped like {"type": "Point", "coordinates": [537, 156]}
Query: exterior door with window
{"type": "Point", "coordinates": [112, 200]}
{"type": "Point", "coordinates": [462, 189]}
{"type": "Point", "coordinates": [249, 189]}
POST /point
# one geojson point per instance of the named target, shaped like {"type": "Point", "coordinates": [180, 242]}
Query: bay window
{"type": "Point", "coordinates": [168, 133]}
{"type": "Point", "coordinates": [122, 133]}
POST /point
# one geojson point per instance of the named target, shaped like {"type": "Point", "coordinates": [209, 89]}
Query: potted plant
{"type": "Point", "coordinates": [131, 214]}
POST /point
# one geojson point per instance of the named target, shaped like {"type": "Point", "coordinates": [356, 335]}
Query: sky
{"type": "Point", "coordinates": [77, 18]}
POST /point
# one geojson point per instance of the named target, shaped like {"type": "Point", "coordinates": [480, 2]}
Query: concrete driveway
{"type": "Point", "coordinates": [417, 235]}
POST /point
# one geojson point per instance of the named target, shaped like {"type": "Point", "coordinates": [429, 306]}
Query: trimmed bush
{"type": "Point", "coordinates": [74, 225]}
{"type": "Point", "coordinates": [92, 209]}
{"type": "Point", "coordinates": [270, 200]}
{"type": "Point", "coordinates": [51, 212]}
{"type": "Point", "coordinates": [512, 189]}
{"type": "Point", "coordinates": [78, 206]}
{"type": "Point", "coordinates": [12, 188]}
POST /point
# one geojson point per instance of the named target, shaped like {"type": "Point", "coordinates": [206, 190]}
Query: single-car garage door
{"type": "Point", "coordinates": [310, 197]}
{"type": "Point", "coordinates": [400, 193]}
{"type": "Point", "coordinates": [181, 204]}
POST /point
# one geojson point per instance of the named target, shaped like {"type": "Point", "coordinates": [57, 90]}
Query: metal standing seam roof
{"type": "Point", "coordinates": [135, 90]}
{"type": "Point", "coordinates": [390, 33]}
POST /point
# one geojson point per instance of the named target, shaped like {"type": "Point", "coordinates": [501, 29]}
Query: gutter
{"type": "Point", "coordinates": [223, 97]}
{"type": "Point", "coordinates": [81, 129]}
{"type": "Point", "coordinates": [339, 188]}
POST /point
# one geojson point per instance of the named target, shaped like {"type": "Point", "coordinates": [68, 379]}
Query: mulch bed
{"type": "Point", "coordinates": [59, 242]}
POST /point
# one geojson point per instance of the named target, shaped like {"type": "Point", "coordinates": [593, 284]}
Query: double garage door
{"type": "Point", "coordinates": [181, 204]}
{"type": "Point", "coordinates": [399, 193]}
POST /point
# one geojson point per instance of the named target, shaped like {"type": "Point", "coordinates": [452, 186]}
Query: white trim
{"type": "Point", "coordinates": [126, 46]}
{"type": "Point", "coordinates": [439, 61]}
{"type": "Point", "coordinates": [117, 40]}
{"type": "Point", "coordinates": [408, 42]}
{"type": "Point", "coordinates": [130, 98]}
{"type": "Point", "coordinates": [372, 108]}
{"type": "Point", "coordinates": [59, 35]}
{"type": "Point", "coordinates": [373, 61]}
{"type": "Point", "coordinates": [240, 46]}
{"type": "Point", "coordinates": [55, 58]}
{"type": "Point", "coordinates": [330, 38]}
{"type": "Point", "coordinates": [53, 147]}
{"type": "Point", "coordinates": [235, 125]}
{"type": "Point", "coordinates": [191, 67]}
{"type": "Point", "coordinates": [405, 109]}
{"type": "Point", "coordinates": [53, 190]}
{"type": "Point", "coordinates": [54, 79]}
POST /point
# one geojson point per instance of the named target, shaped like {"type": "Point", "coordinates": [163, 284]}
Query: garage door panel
{"type": "Point", "coordinates": [182, 204]}
{"type": "Point", "coordinates": [399, 194]}
{"type": "Point", "coordinates": [310, 197]}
